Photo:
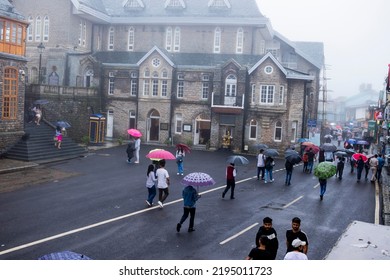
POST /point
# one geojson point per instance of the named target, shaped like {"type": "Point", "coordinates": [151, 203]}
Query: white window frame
{"type": "Point", "coordinates": [253, 94]}
{"type": "Point", "coordinates": [84, 38]}
{"type": "Point", "coordinates": [146, 87]}
{"type": "Point", "coordinates": [155, 87]}
{"type": "Point", "coordinates": [294, 130]}
{"type": "Point", "coordinates": [253, 125]}
{"type": "Point", "coordinates": [111, 37]}
{"type": "Point", "coordinates": [111, 83]}
{"type": "Point", "coordinates": [281, 95]}
{"type": "Point", "coordinates": [133, 87]}
{"type": "Point", "coordinates": [278, 128]}
{"type": "Point", "coordinates": [205, 90]}
{"type": "Point", "coordinates": [38, 29]}
{"type": "Point", "coordinates": [80, 32]}
{"type": "Point", "coordinates": [164, 88]}
{"type": "Point", "coordinates": [217, 40]}
{"type": "Point", "coordinates": [180, 89]}
{"type": "Point", "coordinates": [231, 86]}
{"type": "Point", "coordinates": [240, 41]}
{"type": "Point", "coordinates": [130, 39]}
{"type": "Point", "coordinates": [168, 39]}
{"type": "Point", "coordinates": [30, 29]}
{"type": "Point", "coordinates": [266, 95]}
{"type": "Point", "coordinates": [176, 40]}
{"type": "Point", "coordinates": [178, 123]}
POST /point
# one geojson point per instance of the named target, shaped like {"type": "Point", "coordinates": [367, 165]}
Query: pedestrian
{"type": "Point", "coordinates": [329, 156]}
{"type": "Point", "coordinates": [130, 150]}
{"type": "Point", "coordinates": [339, 139]}
{"type": "Point", "coordinates": [58, 137]}
{"type": "Point", "coordinates": [151, 184]}
{"type": "Point", "coordinates": [340, 167]}
{"type": "Point", "coordinates": [374, 167]}
{"type": "Point", "coordinates": [162, 183]}
{"type": "Point", "coordinates": [260, 165]}
{"type": "Point", "coordinates": [321, 156]}
{"type": "Point", "coordinates": [305, 160]}
{"type": "Point", "coordinates": [180, 154]}
{"type": "Point", "coordinates": [272, 237]}
{"type": "Point", "coordinates": [31, 114]}
{"type": "Point", "coordinates": [137, 146]}
{"type": "Point", "coordinates": [190, 196]}
{"type": "Point", "coordinates": [269, 165]}
{"type": "Point", "coordinates": [294, 233]}
{"type": "Point", "coordinates": [230, 180]}
{"type": "Point", "coordinates": [352, 162]}
{"type": "Point", "coordinates": [289, 170]}
{"type": "Point", "coordinates": [381, 163]}
{"type": "Point", "coordinates": [323, 183]}
{"type": "Point", "coordinates": [359, 168]}
{"type": "Point", "coordinates": [296, 253]}
{"type": "Point", "coordinates": [261, 252]}
{"type": "Point", "coordinates": [367, 168]}
{"type": "Point", "coordinates": [310, 156]}
{"type": "Point", "coordinates": [38, 115]}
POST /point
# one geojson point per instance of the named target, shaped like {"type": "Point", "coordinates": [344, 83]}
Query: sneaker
{"type": "Point", "coordinates": [148, 203]}
{"type": "Point", "coordinates": [191, 229]}
{"type": "Point", "coordinates": [178, 227]}
{"type": "Point", "coordinates": [272, 180]}
{"type": "Point", "coordinates": [181, 174]}
{"type": "Point", "coordinates": [177, 173]}
{"type": "Point", "coordinates": [160, 204]}
{"type": "Point", "coordinates": [223, 195]}
{"type": "Point", "coordinates": [136, 161]}
{"type": "Point", "coordinates": [321, 197]}
{"type": "Point", "coordinates": [265, 182]}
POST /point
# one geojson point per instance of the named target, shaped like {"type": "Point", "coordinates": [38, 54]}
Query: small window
{"type": "Point", "coordinates": [281, 95]}
{"type": "Point", "coordinates": [178, 123]}
{"type": "Point", "coordinates": [156, 62]}
{"type": "Point", "coordinates": [206, 77]}
{"type": "Point", "coordinates": [253, 96]}
{"type": "Point", "coordinates": [268, 69]}
{"type": "Point", "coordinates": [278, 131]}
{"type": "Point", "coordinates": [253, 129]}
{"type": "Point", "coordinates": [180, 76]}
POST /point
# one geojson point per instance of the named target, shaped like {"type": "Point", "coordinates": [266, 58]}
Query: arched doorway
{"type": "Point", "coordinates": [202, 130]}
{"type": "Point", "coordinates": [154, 126]}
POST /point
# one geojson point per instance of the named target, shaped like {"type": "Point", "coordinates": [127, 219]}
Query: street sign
{"type": "Point", "coordinates": [312, 123]}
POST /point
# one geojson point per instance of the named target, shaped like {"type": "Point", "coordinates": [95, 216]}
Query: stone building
{"type": "Point", "coordinates": [12, 74]}
{"type": "Point", "coordinates": [210, 73]}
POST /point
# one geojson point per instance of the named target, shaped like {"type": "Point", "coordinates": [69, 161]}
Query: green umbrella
{"type": "Point", "coordinates": [324, 170]}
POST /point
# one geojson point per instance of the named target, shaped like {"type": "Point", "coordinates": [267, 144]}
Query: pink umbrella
{"type": "Point", "coordinates": [359, 155]}
{"type": "Point", "coordinates": [314, 148]}
{"type": "Point", "coordinates": [134, 132]}
{"type": "Point", "coordinates": [160, 154]}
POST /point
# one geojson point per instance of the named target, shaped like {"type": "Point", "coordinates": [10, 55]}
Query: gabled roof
{"type": "Point", "coordinates": [175, 4]}
{"type": "Point", "coordinates": [219, 4]}
{"type": "Point", "coordinates": [156, 49]}
{"type": "Point", "coordinates": [7, 10]}
{"type": "Point", "coordinates": [264, 58]}
{"type": "Point", "coordinates": [133, 4]}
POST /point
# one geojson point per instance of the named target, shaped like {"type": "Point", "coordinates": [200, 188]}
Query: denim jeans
{"type": "Point", "coordinates": [260, 169]}
{"type": "Point", "coordinates": [191, 211]}
{"type": "Point", "coordinates": [322, 188]}
{"type": "Point", "coordinates": [288, 176]}
{"type": "Point", "coordinates": [180, 167]}
{"type": "Point", "coordinates": [151, 194]}
{"type": "Point", "coordinates": [268, 175]}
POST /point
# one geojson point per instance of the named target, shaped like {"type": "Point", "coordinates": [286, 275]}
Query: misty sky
{"type": "Point", "coordinates": [355, 33]}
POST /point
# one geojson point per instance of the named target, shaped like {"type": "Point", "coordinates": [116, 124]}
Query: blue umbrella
{"type": "Point", "coordinates": [63, 124]}
{"type": "Point", "coordinates": [301, 140]}
{"type": "Point", "coordinates": [351, 141]}
{"type": "Point", "coordinates": [64, 255]}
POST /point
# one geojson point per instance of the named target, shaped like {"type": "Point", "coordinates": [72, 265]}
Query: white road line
{"type": "Point", "coordinates": [292, 202]}
{"type": "Point", "coordinates": [238, 234]}
{"type": "Point", "coordinates": [377, 208]}
{"type": "Point", "coordinates": [316, 186]}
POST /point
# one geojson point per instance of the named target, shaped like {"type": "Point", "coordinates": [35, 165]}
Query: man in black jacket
{"type": "Point", "coordinates": [267, 230]}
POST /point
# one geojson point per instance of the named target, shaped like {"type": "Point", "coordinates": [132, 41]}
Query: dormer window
{"type": "Point", "coordinates": [219, 4]}
{"type": "Point", "coordinates": [175, 4]}
{"type": "Point", "coordinates": [133, 5]}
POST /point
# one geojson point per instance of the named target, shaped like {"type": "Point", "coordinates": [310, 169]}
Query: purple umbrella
{"type": "Point", "coordinates": [197, 179]}
{"type": "Point", "coordinates": [362, 142]}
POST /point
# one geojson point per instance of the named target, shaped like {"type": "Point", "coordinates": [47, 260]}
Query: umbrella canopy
{"type": "Point", "coordinates": [271, 153]}
{"type": "Point", "coordinates": [185, 148]}
{"type": "Point", "coordinates": [160, 154]}
{"type": "Point", "coordinates": [301, 140]}
{"type": "Point", "coordinates": [134, 132]}
{"type": "Point", "coordinates": [65, 255]}
{"type": "Point", "coordinates": [313, 147]}
{"type": "Point", "coordinates": [293, 158]}
{"type": "Point", "coordinates": [359, 155]}
{"type": "Point", "coordinates": [237, 160]}
{"type": "Point", "coordinates": [63, 124]}
{"type": "Point", "coordinates": [352, 141]}
{"type": "Point", "coordinates": [290, 151]}
{"type": "Point", "coordinates": [328, 136]}
{"type": "Point", "coordinates": [308, 144]}
{"type": "Point", "coordinates": [197, 179]}
{"type": "Point", "coordinates": [362, 142]}
{"type": "Point", "coordinates": [41, 101]}
{"type": "Point", "coordinates": [340, 154]}
{"type": "Point", "coordinates": [328, 147]}
{"type": "Point", "coordinates": [325, 170]}
{"type": "Point", "coordinates": [261, 146]}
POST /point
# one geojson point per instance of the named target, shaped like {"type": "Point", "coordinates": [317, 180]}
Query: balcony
{"type": "Point", "coordinates": [225, 104]}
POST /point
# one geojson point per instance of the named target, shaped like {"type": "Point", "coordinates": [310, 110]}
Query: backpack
{"type": "Point", "coordinates": [269, 163]}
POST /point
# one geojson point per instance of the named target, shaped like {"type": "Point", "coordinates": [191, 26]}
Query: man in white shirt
{"type": "Point", "coordinates": [260, 164]}
{"type": "Point", "coordinates": [296, 254]}
{"type": "Point", "coordinates": [162, 183]}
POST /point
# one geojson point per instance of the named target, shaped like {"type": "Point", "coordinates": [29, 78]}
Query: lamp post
{"type": "Point", "coordinates": [41, 48]}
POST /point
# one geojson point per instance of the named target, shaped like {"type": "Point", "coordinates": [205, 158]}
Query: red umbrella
{"type": "Point", "coordinates": [313, 147]}
{"type": "Point", "coordinates": [308, 144]}
{"type": "Point", "coordinates": [358, 155]}
{"type": "Point", "coordinates": [134, 132]}
{"type": "Point", "coordinates": [185, 148]}
{"type": "Point", "coordinates": [160, 154]}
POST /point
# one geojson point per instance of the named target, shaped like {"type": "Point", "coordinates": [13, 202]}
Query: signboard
{"type": "Point", "coordinates": [311, 123]}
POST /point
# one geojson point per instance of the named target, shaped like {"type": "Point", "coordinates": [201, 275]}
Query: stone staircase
{"type": "Point", "coordinates": [38, 146]}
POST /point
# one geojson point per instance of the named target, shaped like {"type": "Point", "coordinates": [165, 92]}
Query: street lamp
{"type": "Point", "coordinates": [41, 48]}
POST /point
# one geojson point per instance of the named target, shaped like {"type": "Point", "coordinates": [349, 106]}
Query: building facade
{"type": "Point", "coordinates": [12, 74]}
{"type": "Point", "coordinates": [210, 73]}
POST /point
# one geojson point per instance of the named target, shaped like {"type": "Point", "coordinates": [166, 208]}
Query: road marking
{"type": "Point", "coordinates": [316, 186]}
{"type": "Point", "coordinates": [292, 202]}
{"type": "Point", "coordinates": [377, 208]}
{"type": "Point", "coordinates": [238, 234]}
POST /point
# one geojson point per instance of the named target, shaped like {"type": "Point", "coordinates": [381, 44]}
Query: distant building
{"type": "Point", "coordinates": [179, 70]}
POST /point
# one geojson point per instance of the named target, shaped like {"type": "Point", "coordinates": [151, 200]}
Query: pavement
{"type": "Point", "coordinates": [10, 165]}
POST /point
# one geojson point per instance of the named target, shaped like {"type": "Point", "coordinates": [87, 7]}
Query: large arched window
{"type": "Point", "coordinates": [217, 40]}
{"type": "Point", "coordinates": [176, 40]}
{"type": "Point", "coordinates": [131, 39]}
{"type": "Point", "coordinates": [240, 40]}
{"type": "Point", "coordinates": [111, 33]}
{"type": "Point", "coordinates": [231, 85]}
{"type": "Point", "coordinates": [168, 39]}
{"type": "Point", "coordinates": [46, 28]}
{"type": "Point", "coordinates": [30, 30]}
{"type": "Point", "coordinates": [38, 29]}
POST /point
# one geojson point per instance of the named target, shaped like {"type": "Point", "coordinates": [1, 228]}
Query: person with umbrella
{"type": "Point", "coordinates": [130, 150]}
{"type": "Point", "coordinates": [359, 167]}
{"type": "Point", "coordinates": [180, 154]}
{"type": "Point", "coordinates": [230, 180]}
{"type": "Point", "coordinates": [289, 170]}
{"type": "Point", "coordinates": [137, 145]}
{"type": "Point", "coordinates": [269, 165]}
{"type": "Point", "coordinates": [190, 196]}
{"type": "Point", "coordinates": [323, 171]}
{"type": "Point", "coordinates": [162, 183]}
{"type": "Point", "coordinates": [260, 164]}
{"type": "Point", "coordinates": [38, 114]}
{"type": "Point", "coordinates": [340, 167]}
{"type": "Point", "coordinates": [311, 156]}
{"type": "Point", "coordinates": [150, 184]}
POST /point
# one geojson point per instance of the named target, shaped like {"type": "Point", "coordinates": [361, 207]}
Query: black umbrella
{"type": "Point", "coordinates": [261, 146]}
{"type": "Point", "coordinates": [328, 147]}
{"type": "Point", "coordinates": [293, 158]}
{"type": "Point", "coordinates": [41, 101]}
{"type": "Point", "coordinates": [236, 159]}
{"type": "Point", "coordinates": [63, 124]}
{"type": "Point", "coordinates": [271, 153]}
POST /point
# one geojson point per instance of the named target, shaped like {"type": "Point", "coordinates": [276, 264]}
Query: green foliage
{"type": "Point", "coordinates": [85, 140]}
